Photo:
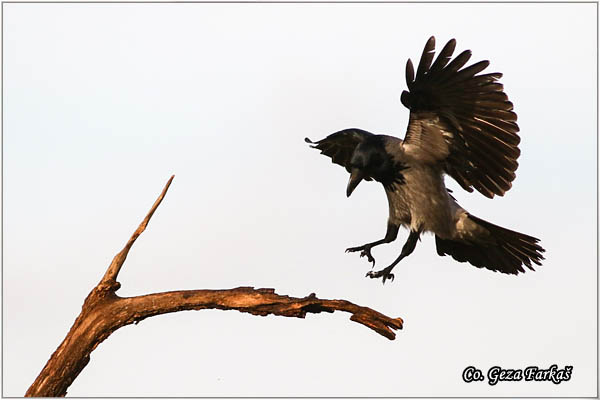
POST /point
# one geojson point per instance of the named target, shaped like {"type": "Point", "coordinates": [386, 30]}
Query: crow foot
{"type": "Point", "coordinates": [385, 274]}
{"type": "Point", "coordinates": [365, 251]}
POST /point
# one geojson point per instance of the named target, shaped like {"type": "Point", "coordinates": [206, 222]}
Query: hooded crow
{"type": "Point", "coordinates": [461, 124]}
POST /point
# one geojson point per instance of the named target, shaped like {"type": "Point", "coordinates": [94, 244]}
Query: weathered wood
{"type": "Point", "coordinates": [103, 312]}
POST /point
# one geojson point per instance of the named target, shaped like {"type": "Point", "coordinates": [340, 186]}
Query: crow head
{"type": "Point", "coordinates": [371, 160]}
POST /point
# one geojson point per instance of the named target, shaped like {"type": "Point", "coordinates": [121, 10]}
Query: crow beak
{"type": "Point", "coordinates": [355, 177]}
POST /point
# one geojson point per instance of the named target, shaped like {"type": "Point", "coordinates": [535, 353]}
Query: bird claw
{"type": "Point", "coordinates": [365, 251]}
{"type": "Point", "coordinates": [385, 274]}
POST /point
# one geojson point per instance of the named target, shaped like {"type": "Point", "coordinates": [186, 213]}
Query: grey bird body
{"type": "Point", "coordinates": [423, 203]}
{"type": "Point", "coordinates": [461, 124]}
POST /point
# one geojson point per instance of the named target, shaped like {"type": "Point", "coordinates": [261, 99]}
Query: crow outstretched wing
{"type": "Point", "coordinates": [461, 119]}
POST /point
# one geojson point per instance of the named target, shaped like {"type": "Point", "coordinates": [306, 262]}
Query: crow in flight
{"type": "Point", "coordinates": [461, 124]}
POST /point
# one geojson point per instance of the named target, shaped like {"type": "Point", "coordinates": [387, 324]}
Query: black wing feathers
{"type": "Point", "coordinates": [483, 144]}
{"type": "Point", "coordinates": [426, 58]}
{"type": "Point", "coordinates": [410, 74]}
{"type": "Point", "coordinates": [444, 57]}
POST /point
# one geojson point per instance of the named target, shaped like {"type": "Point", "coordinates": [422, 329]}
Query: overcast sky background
{"type": "Point", "coordinates": [103, 102]}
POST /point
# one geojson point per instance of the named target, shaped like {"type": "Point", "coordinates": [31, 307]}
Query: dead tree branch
{"type": "Point", "coordinates": [103, 312]}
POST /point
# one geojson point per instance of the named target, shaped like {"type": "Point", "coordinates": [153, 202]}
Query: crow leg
{"type": "Point", "coordinates": [365, 250]}
{"type": "Point", "coordinates": [407, 249]}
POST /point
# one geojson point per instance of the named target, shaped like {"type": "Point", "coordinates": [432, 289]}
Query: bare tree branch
{"type": "Point", "coordinates": [109, 280]}
{"type": "Point", "coordinates": [103, 312]}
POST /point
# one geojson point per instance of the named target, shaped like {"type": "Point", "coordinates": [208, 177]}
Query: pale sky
{"type": "Point", "coordinates": [103, 102]}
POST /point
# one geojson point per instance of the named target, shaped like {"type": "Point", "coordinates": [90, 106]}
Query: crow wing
{"type": "Point", "coordinates": [340, 145]}
{"type": "Point", "coordinates": [461, 119]}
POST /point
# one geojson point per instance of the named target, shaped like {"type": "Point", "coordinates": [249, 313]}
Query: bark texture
{"type": "Point", "coordinates": [103, 312]}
